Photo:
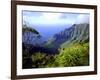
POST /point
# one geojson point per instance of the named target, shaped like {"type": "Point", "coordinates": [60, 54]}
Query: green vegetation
{"type": "Point", "coordinates": [29, 29]}
{"type": "Point", "coordinates": [65, 49]}
{"type": "Point", "coordinates": [26, 28]}
{"type": "Point", "coordinates": [74, 55]}
{"type": "Point", "coordinates": [38, 59]}
{"type": "Point", "coordinates": [41, 60]}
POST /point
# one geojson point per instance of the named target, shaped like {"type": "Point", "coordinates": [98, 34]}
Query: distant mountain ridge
{"type": "Point", "coordinates": [76, 33]}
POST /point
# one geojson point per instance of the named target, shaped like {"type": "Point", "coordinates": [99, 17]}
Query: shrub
{"type": "Point", "coordinates": [38, 60]}
{"type": "Point", "coordinates": [76, 55]}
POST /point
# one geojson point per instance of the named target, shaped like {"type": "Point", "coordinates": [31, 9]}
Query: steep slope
{"type": "Point", "coordinates": [81, 35]}
{"type": "Point", "coordinates": [76, 33]}
{"type": "Point", "coordinates": [30, 36]}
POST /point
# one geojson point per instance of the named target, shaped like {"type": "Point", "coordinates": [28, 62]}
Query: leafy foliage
{"type": "Point", "coordinates": [40, 60]}
{"type": "Point", "coordinates": [26, 29]}
{"type": "Point", "coordinates": [76, 55]}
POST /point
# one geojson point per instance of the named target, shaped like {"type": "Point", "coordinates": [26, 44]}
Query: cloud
{"type": "Point", "coordinates": [51, 16]}
{"type": "Point", "coordinates": [83, 18]}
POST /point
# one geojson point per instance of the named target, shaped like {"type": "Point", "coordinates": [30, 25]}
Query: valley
{"type": "Point", "coordinates": [69, 47]}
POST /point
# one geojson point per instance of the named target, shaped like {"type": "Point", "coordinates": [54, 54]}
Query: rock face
{"type": "Point", "coordinates": [31, 36]}
{"type": "Point", "coordinates": [76, 33]}
{"type": "Point", "coordinates": [32, 42]}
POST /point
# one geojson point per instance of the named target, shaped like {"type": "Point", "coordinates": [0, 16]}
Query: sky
{"type": "Point", "coordinates": [49, 23]}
